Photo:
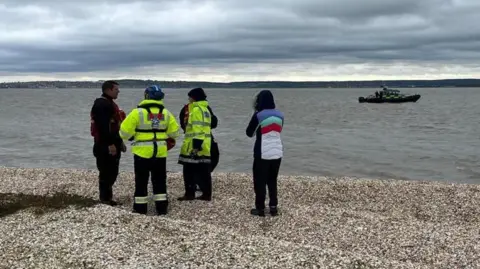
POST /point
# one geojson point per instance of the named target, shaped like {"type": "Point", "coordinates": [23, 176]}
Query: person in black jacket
{"type": "Point", "coordinates": [105, 124]}
{"type": "Point", "coordinates": [214, 151]}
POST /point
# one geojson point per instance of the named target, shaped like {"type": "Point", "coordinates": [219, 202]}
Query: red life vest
{"type": "Point", "coordinates": [170, 141]}
{"type": "Point", "coordinates": [159, 116]}
{"type": "Point", "coordinates": [187, 113]}
{"type": "Point", "coordinates": [115, 121]}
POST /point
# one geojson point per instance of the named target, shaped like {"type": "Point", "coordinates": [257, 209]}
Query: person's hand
{"type": "Point", "coordinates": [112, 150]}
{"type": "Point", "coordinates": [124, 148]}
{"type": "Point", "coordinates": [194, 153]}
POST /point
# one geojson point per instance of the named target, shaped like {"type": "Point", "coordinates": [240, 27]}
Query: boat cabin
{"type": "Point", "coordinates": [390, 92]}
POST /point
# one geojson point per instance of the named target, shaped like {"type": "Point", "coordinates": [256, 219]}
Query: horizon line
{"type": "Point", "coordinates": [242, 81]}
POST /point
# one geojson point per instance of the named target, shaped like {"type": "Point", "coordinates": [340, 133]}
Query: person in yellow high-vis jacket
{"type": "Point", "coordinates": [214, 149]}
{"type": "Point", "coordinates": [153, 130]}
{"type": "Point", "coordinates": [195, 151]}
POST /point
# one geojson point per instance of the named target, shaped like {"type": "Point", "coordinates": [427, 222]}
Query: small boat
{"type": "Point", "coordinates": [389, 96]}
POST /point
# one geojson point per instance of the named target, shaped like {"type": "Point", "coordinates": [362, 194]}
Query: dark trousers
{"type": "Point", "coordinates": [197, 173]}
{"type": "Point", "coordinates": [215, 156]}
{"type": "Point", "coordinates": [157, 169]}
{"type": "Point", "coordinates": [108, 166]}
{"type": "Point", "coordinates": [265, 173]}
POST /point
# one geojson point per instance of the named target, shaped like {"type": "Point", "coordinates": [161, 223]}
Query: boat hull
{"type": "Point", "coordinates": [404, 99]}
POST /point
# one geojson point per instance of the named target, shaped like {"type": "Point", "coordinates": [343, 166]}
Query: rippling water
{"type": "Point", "coordinates": [327, 132]}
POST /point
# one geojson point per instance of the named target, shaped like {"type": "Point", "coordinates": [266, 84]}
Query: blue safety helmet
{"type": "Point", "coordinates": [154, 92]}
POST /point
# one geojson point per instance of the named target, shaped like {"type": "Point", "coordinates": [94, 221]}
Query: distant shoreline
{"type": "Point", "coordinates": [137, 83]}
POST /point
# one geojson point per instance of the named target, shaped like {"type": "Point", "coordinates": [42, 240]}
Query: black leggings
{"type": "Point", "coordinates": [265, 173]}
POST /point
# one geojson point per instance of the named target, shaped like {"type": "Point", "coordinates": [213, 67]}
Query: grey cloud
{"type": "Point", "coordinates": [348, 10]}
{"type": "Point", "coordinates": [69, 36]}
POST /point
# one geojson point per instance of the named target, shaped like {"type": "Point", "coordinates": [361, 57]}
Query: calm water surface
{"type": "Point", "coordinates": [327, 132]}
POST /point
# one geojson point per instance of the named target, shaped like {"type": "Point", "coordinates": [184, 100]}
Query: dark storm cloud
{"type": "Point", "coordinates": [77, 36]}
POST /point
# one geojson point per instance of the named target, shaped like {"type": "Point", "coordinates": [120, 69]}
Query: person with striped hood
{"type": "Point", "coordinates": [267, 124]}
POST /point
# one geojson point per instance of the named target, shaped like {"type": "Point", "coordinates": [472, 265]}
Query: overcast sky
{"type": "Point", "coordinates": [234, 40]}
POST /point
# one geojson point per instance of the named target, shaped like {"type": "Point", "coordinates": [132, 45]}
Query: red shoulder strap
{"type": "Point", "coordinates": [186, 115]}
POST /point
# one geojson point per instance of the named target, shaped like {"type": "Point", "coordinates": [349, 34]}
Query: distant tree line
{"type": "Point", "coordinates": [136, 83]}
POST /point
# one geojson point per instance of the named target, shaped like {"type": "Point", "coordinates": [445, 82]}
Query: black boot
{"type": "Point", "coordinates": [256, 212]}
{"type": "Point", "coordinates": [161, 207]}
{"type": "Point", "coordinates": [140, 208]}
{"type": "Point", "coordinates": [273, 211]}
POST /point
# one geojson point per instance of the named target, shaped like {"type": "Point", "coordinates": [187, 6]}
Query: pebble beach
{"type": "Point", "coordinates": [50, 218]}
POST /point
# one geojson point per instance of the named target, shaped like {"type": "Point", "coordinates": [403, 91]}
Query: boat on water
{"type": "Point", "coordinates": [389, 96]}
